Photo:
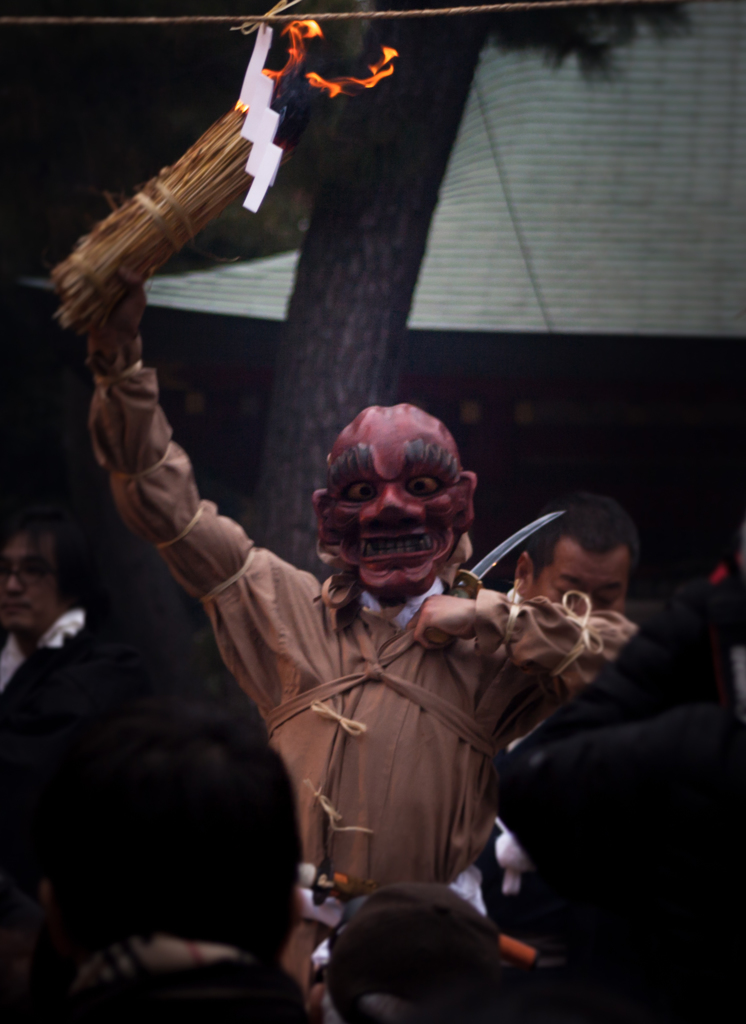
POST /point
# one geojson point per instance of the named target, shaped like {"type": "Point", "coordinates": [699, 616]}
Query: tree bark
{"type": "Point", "coordinates": [344, 339]}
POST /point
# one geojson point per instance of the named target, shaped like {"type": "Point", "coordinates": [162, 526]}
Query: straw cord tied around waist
{"type": "Point", "coordinates": [589, 639]}
{"type": "Point", "coordinates": [332, 813]}
{"type": "Point", "coordinates": [350, 726]}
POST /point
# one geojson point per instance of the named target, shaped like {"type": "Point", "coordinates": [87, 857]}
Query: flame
{"type": "Point", "coordinates": [350, 86]}
{"type": "Point", "coordinates": [299, 31]}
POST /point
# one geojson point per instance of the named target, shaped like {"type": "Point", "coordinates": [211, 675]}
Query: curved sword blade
{"type": "Point", "coordinates": [482, 568]}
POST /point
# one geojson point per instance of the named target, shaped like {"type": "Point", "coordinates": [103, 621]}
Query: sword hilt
{"type": "Point", "coordinates": [465, 585]}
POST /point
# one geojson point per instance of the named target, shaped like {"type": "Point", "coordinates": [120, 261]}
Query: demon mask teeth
{"type": "Point", "coordinates": [396, 500]}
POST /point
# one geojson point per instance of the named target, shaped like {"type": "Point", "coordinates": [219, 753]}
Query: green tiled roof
{"type": "Point", "coordinates": [612, 206]}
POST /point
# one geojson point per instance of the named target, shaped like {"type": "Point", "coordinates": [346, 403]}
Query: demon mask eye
{"type": "Point", "coordinates": [362, 491]}
{"type": "Point", "coordinates": [422, 486]}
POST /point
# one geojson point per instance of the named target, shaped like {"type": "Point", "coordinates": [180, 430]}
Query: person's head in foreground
{"type": "Point", "coordinates": [397, 500]}
{"type": "Point", "coordinates": [407, 942]}
{"type": "Point", "coordinates": [46, 570]}
{"type": "Point", "coordinates": [540, 1002]}
{"type": "Point", "coordinates": [593, 548]}
{"type": "Point", "coordinates": [169, 834]}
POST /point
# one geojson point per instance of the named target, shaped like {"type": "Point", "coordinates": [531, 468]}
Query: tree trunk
{"type": "Point", "coordinates": [343, 343]}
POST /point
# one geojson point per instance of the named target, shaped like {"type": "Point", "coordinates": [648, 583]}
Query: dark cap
{"type": "Point", "coordinates": [408, 941]}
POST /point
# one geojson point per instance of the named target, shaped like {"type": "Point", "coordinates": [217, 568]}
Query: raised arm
{"type": "Point", "coordinates": [151, 477]}
{"type": "Point", "coordinates": [256, 602]}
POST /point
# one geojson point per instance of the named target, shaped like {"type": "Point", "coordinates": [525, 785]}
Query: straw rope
{"type": "Point", "coordinates": [350, 726]}
{"type": "Point", "coordinates": [212, 594]}
{"type": "Point", "coordinates": [332, 813]}
{"type": "Point", "coordinates": [589, 639]}
{"type": "Point", "coordinates": [187, 530]}
{"type": "Point", "coordinates": [515, 610]}
{"type": "Point", "coordinates": [141, 474]}
{"type": "Point", "coordinates": [175, 205]}
{"type": "Point", "coordinates": [147, 229]}
{"type": "Point", "coordinates": [279, 19]}
{"type": "Point", "coordinates": [155, 213]}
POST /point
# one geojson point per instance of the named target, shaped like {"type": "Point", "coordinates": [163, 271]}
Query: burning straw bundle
{"type": "Point", "coordinates": [149, 228]}
{"type": "Point", "coordinates": [154, 224]}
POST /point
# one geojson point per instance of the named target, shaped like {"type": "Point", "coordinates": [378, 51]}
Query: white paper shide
{"type": "Point", "coordinates": [260, 126]}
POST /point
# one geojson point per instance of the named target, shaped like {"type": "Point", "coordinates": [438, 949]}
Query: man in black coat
{"type": "Point", "coordinates": [54, 675]}
{"type": "Point", "coordinates": [633, 797]}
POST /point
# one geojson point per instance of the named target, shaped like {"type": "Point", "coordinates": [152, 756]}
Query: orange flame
{"type": "Point", "coordinates": [299, 31]}
{"type": "Point", "coordinates": [349, 86]}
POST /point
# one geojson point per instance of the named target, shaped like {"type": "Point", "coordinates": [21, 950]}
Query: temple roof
{"type": "Point", "coordinates": [606, 206]}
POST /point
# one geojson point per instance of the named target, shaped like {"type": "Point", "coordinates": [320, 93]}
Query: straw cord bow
{"type": "Point", "coordinates": [589, 639]}
{"type": "Point", "coordinates": [350, 726]}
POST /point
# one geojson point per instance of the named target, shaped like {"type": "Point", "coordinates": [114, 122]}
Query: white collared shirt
{"type": "Point", "coordinates": [12, 657]}
{"type": "Point", "coordinates": [411, 606]}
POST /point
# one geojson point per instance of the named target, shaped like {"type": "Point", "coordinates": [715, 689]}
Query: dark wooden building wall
{"type": "Point", "coordinates": [659, 423]}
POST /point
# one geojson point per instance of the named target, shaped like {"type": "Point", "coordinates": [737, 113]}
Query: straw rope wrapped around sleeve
{"type": "Point", "coordinates": [154, 224]}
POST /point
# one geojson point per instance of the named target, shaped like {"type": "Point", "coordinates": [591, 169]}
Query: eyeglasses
{"type": "Point", "coordinates": [28, 572]}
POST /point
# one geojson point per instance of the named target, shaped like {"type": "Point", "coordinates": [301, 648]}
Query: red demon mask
{"type": "Point", "coordinates": [397, 500]}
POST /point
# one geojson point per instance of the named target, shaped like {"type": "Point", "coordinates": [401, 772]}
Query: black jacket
{"type": "Point", "coordinates": [634, 795]}
{"type": "Point", "coordinates": [223, 993]}
{"type": "Point", "coordinates": [51, 696]}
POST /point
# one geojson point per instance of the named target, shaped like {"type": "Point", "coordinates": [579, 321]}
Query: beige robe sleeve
{"type": "Point", "coordinates": [155, 491]}
{"type": "Point", "coordinates": [154, 487]}
{"type": "Point", "coordinates": [543, 635]}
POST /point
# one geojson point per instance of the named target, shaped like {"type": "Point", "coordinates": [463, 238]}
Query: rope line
{"type": "Point", "coordinates": [278, 19]}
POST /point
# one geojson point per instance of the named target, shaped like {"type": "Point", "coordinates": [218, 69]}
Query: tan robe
{"type": "Point", "coordinates": [420, 778]}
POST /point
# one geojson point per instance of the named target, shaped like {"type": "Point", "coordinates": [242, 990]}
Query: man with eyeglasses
{"type": "Point", "coordinates": [54, 675]}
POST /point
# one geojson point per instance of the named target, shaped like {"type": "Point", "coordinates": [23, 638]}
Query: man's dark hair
{"type": "Point", "coordinates": [77, 576]}
{"type": "Point", "coordinates": [171, 816]}
{"type": "Point", "coordinates": [596, 522]}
